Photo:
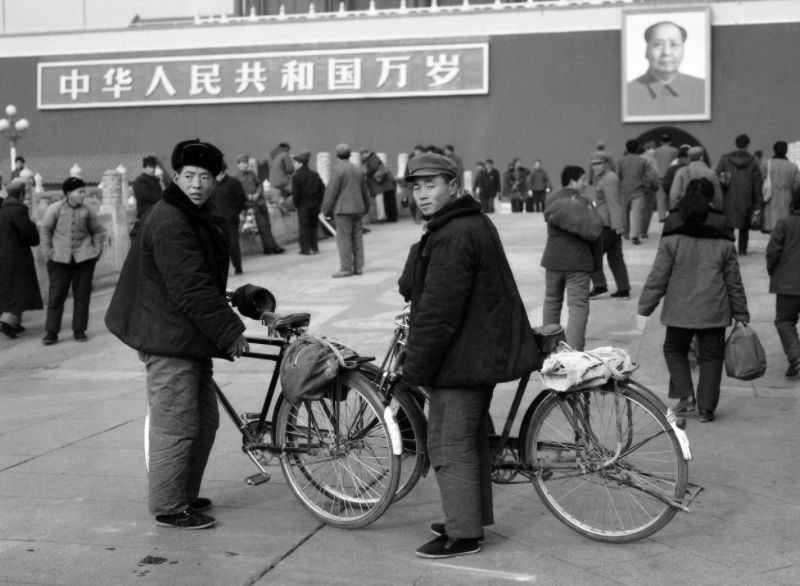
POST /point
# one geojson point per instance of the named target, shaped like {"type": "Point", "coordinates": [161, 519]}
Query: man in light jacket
{"type": "Point", "coordinates": [347, 198]}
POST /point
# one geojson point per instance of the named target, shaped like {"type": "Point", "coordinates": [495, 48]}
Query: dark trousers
{"type": "Point", "coordinates": [710, 356]}
{"type": "Point", "coordinates": [350, 241]}
{"type": "Point", "coordinates": [458, 446]}
{"type": "Point", "coordinates": [787, 309]}
{"type": "Point", "coordinates": [648, 207]}
{"type": "Point", "coordinates": [487, 205]}
{"type": "Point", "coordinates": [181, 425]}
{"type": "Point", "coordinates": [390, 205]}
{"type": "Point", "coordinates": [744, 237]}
{"type": "Point", "coordinates": [308, 227]}
{"type": "Point", "coordinates": [611, 244]}
{"type": "Point", "coordinates": [79, 275]}
{"type": "Point", "coordinates": [232, 240]}
{"type": "Point", "coordinates": [516, 204]}
{"type": "Point", "coordinates": [529, 203]}
{"type": "Point", "coordinates": [538, 200]}
{"type": "Point", "coordinates": [261, 213]}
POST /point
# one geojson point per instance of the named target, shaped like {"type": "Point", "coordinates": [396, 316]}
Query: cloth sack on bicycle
{"type": "Point", "coordinates": [568, 369]}
{"type": "Point", "coordinates": [744, 355]}
{"type": "Point", "coordinates": [309, 364]}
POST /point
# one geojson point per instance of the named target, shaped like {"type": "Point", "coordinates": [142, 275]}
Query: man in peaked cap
{"type": "Point", "coordinates": [469, 331]}
{"type": "Point", "coordinates": [347, 198]}
{"type": "Point", "coordinates": [170, 306]}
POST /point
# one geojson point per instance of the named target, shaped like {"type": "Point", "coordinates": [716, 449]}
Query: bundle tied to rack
{"type": "Point", "coordinates": [569, 370]}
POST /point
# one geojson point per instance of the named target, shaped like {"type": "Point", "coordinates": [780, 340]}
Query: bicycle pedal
{"type": "Point", "coordinates": [258, 478]}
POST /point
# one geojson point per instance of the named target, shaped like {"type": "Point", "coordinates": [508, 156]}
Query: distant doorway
{"type": "Point", "coordinates": [679, 137]}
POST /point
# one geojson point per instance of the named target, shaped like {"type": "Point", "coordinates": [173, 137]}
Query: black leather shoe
{"type": "Point", "coordinates": [622, 294]}
{"type": "Point", "coordinates": [278, 250]}
{"type": "Point", "coordinates": [792, 372]}
{"type": "Point", "coordinates": [598, 291]}
{"type": "Point", "coordinates": [8, 330]}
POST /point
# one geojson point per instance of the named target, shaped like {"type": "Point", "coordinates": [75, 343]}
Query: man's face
{"type": "Point", "coordinates": [489, 166]}
{"type": "Point", "coordinates": [665, 51]}
{"type": "Point", "coordinates": [432, 193]}
{"type": "Point", "coordinates": [242, 165]}
{"type": "Point", "coordinates": [18, 165]}
{"type": "Point", "coordinates": [149, 170]}
{"type": "Point", "coordinates": [579, 184]}
{"type": "Point", "coordinates": [196, 182]}
{"type": "Point", "coordinates": [76, 196]}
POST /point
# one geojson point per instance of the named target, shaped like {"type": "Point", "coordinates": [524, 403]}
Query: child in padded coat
{"type": "Point", "coordinates": [696, 271]}
{"type": "Point", "coordinates": [783, 260]}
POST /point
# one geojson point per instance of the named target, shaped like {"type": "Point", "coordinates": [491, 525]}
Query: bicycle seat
{"type": "Point", "coordinates": [291, 321]}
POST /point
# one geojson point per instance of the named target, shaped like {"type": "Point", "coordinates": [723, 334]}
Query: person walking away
{"type": "Point", "coordinates": [147, 190]}
{"type": "Point", "coordinates": [696, 272]}
{"type": "Point", "coordinates": [254, 190]}
{"type": "Point", "coordinates": [571, 254]}
{"type": "Point", "coordinates": [681, 160]}
{"type": "Point", "coordinates": [308, 191]}
{"type": "Point", "coordinates": [281, 167]}
{"type": "Point", "coordinates": [540, 186]}
{"type": "Point", "coordinates": [609, 205]}
{"type": "Point", "coordinates": [72, 241]}
{"type": "Point", "coordinates": [515, 185]}
{"type": "Point", "coordinates": [696, 168]}
{"type": "Point", "coordinates": [783, 260]}
{"type": "Point", "coordinates": [636, 176]}
{"type": "Point", "coordinates": [649, 203]}
{"type": "Point", "coordinates": [347, 198]}
{"type": "Point", "coordinates": [469, 330]}
{"type": "Point", "coordinates": [664, 154]}
{"type": "Point", "coordinates": [169, 305]}
{"type": "Point", "coordinates": [381, 183]}
{"type": "Point", "coordinates": [740, 176]}
{"type": "Point", "coordinates": [784, 178]}
{"type": "Point", "coordinates": [227, 202]}
{"type": "Point", "coordinates": [19, 287]}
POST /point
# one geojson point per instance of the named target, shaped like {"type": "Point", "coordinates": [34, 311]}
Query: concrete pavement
{"type": "Point", "coordinates": [72, 481]}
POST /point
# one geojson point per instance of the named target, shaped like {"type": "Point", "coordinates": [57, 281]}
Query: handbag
{"type": "Point", "coordinates": [744, 355]}
{"type": "Point", "coordinates": [309, 364]}
{"type": "Point", "coordinates": [756, 220]}
{"type": "Point", "coordinates": [766, 187]}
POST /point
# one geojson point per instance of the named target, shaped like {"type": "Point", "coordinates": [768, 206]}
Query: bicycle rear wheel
{"type": "Point", "coordinates": [337, 453]}
{"type": "Point", "coordinates": [571, 441]}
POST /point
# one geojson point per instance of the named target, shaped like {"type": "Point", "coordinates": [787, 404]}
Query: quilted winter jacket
{"type": "Point", "coordinates": [170, 296]}
{"type": "Point", "coordinates": [783, 256]}
{"type": "Point", "coordinates": [697, 274]}
{"type": "Point", "coordinates": [469, 326]}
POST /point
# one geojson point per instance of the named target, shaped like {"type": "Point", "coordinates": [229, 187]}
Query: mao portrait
{"type": "Point", "coordinates": [666, 66]}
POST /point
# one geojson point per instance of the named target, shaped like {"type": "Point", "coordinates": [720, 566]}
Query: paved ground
{"type": "Point", "coordinates": [72, 481]}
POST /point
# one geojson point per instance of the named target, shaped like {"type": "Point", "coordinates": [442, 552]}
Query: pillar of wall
{"type": "Point", "coordinates": [114, 218]}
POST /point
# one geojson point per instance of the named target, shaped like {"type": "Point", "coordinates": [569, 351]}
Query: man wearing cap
{"type": "Point", "coordinates": [228, 200]}
{"type": "Point", "coordinates": [469, 331]}
{"type": "Point", "coordinates": [347, 198]}
{"type": "Point", "coordinates": [170, 306]}
{"type": "Point", "coordinates": [696, 169]}
{"type": "Point", "coordinates": [72, 241]}
{"type": "Point", "coordinates": [608, 203]}
{"type": "Point", "coordinates": [307, 192]}
{"type": "Point", "coordinates": [256, 197]}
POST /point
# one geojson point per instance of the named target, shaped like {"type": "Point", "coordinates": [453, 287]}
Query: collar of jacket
{"type": "Point", "coordinates": [461, 206]}
{"type": "Point", "coordinates": [196, 215]}
{"type": "Point", "coordinates": [716, 226]}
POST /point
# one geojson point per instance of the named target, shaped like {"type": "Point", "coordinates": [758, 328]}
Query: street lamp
{"type": "Point", "coordinates": [13, 129]}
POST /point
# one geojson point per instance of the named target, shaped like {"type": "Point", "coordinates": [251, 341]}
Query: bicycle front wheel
{"type": "Point", "coordinates": [607, 463]}
{"type": "Point", "coordinates": [337, 453]}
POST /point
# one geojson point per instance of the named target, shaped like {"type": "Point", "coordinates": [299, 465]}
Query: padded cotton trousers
{"type": "Point", "coordinates": [181, 424]}
{"type": "Point", "coordinates": [576, 286]}
{"type": "Point", "coordinates": [350, 242]}
{"type": "Point", "coordinates": [611, 246]}
{"type": "Point", "coordinates": [787, 309]}
{"type": "Point", "coordinates": [458, 446]}
{"type": "Point", "coordinates": [710, 357]}
{"type": "Point", "coordinates": [61, 275]}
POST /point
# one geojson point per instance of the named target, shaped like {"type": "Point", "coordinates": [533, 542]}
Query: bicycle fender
{"type": "Point", "coordinates": [394, 431]}
{"type": "Point", "coordinates": [683, 439]}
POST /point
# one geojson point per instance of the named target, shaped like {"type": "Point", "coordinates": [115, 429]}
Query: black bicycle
{"type": "Point", "coordinates": [610, 461]}
{"type": "Point", "coordinates": [340, 454]}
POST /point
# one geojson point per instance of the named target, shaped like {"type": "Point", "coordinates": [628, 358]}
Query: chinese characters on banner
{"type": "Point", "coordinates": [370, 72]}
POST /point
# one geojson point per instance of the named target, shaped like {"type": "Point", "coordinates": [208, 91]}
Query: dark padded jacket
{"type": "Point", "coordinates": [170, 296]}
{"type": "Point", "coordinates": [469, 326]}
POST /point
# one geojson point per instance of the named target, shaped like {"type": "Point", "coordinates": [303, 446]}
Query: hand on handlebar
{"type": "Point", "coordinates": [238, 348]}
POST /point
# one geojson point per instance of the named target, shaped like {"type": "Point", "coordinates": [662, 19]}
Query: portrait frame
{"type": "Point", "coordinates": [647, 102]}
